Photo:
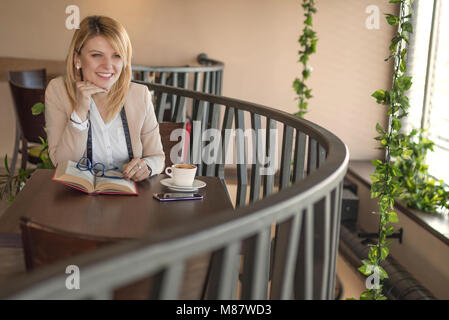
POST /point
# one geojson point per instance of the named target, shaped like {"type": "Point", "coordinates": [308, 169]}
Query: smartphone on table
{"type": "Point", "coordinates": [177, 196]}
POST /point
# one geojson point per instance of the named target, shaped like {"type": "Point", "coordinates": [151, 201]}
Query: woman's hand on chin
{"type": "Point", "coordinates": [84, 91]}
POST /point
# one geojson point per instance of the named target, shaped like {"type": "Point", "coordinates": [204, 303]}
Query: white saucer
{"type": "Point", "coordinates": [195, 186]}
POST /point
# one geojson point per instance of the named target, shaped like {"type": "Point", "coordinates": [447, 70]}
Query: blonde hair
{"type": "Point", "coordinates": [118, 38]}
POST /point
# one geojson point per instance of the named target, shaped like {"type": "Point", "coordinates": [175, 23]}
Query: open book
{"type": "Point", "coordinates": [67, 173]}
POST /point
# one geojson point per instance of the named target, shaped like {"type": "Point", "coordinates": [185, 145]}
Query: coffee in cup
{"type": "Point", "coordinates": [183, 174]}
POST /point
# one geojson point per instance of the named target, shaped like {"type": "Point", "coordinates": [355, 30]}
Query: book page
{"type": "Point", "coordinates": [74, 171]}
{"type": "Point", "coordinates": [69, 173]}
{"type": "Point", "coordinates": [115, 185]}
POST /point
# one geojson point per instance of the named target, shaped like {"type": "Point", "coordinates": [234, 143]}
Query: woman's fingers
{"type": "Point", "coordinates": [93, 90]}
{"type": "Point", "coordinates": [89, 87]}
{"type": "Point", "coordinates": [129, 166]}
{"type": "Point", "coordinates": [140, 175]}
{"type": "Point", "coordinates": [136, 170]}
{"type": "Point", "coordinates": [84, 91]}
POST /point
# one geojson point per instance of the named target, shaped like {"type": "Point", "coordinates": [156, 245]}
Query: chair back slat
{"type": "Point", "coordinates": [31, 126]}
{"type": "Point", "coordinates": [32, 79]}
{"type": "Point", "coordinates": [166, 131]}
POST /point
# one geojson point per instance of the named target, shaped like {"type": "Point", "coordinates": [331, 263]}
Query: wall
{"type": "Point", "coordinates": [257, 39]}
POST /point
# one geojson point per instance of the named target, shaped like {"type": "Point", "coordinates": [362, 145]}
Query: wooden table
{"type": "Point", "coordinates": [58, 206]}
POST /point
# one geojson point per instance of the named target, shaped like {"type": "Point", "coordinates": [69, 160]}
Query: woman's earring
{"type": "Point", "coordinates": [78, 67]}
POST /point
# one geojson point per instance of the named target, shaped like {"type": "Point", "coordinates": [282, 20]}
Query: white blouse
{"type": "Point", "coordinates": [108, 139]}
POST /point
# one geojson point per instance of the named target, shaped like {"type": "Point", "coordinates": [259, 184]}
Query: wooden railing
{"type": "Point", "coordinates": [206, 78]}
{"type": "Point", "coordinates": [287, 232]}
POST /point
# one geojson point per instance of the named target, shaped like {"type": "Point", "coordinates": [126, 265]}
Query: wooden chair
{"type": "Point", "coordinates": [27, 88]}
{"type": "Point", "coordinates": [165, 130]}
{"type": "Point", "coordinates": [44, 245]}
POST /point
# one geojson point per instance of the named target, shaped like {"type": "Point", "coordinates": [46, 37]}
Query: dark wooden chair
{"type": "Point", "coordinates": [165, 130]}
{"type": "Point", "coordinates": [44, 245]}
{"type": "Point", "coordinates": [27, 88]}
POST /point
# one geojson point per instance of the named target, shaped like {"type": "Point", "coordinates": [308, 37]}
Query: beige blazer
{"type": "Point", "coordinates": [65, 142]}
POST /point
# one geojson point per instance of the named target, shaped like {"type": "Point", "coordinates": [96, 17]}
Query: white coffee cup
{"type": "Point", "coordinates": [183, 175]}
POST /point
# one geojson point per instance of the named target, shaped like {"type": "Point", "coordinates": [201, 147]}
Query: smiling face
{"type": "Point", "coordinates": [99, 62]}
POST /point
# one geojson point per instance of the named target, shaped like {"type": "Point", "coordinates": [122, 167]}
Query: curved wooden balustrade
{"type": "Point", "coordinates": [302, 206]}
{"type": "Point", "coordinates": [205, 78]}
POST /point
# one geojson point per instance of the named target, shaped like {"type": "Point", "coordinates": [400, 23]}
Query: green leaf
{"type": "Point", "coordinates": [394, 43]}
{"type": "Point", "coordinates": [403, 66]}
{"type": "Point", "coordinates": [382, 273]}
{"type": "Point", "coordinates": [306, 73]}
{"type": "Point", "coordinates": [364, 270]}
{"type": "Point", "coordinates": [380, 129]}
{"type": "Point", "coordinates": [379, 95]}
{"type": "Point", "coordinates": [404, 82]}
{"type": "Point", "coordinates": [38, 108]}
{"type": "Point", "coordinates": [396, 124]}
{"type": "Point", "coordinates": [367, 295]}
{"type": "Point", "coordinates": [6, 164]}
{"type": "Point", "coordinates": [392, 19]}
{"type": "Point", "coordinates": [407, 26]}
{"type": "Point", "coordinates": [384, 251]}
{"type": "Point", "coordinates": [308, 21]}
{"type": "Point", "coordinates": [393, 217]}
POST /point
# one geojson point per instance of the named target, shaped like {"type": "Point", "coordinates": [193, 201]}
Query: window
{"type": "Point", "coordinates": [428, 62]}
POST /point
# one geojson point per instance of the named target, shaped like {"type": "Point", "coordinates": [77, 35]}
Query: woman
{"type": "Point", "coordinates": [95, 111]}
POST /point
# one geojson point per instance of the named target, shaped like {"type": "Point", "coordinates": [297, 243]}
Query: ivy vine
{"type": "Point", "coordinates": [386, 185]}
{"type": "Point", "coordinates": [421, 191]}
{"type": "Point", "coordinates": [308, 41]}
